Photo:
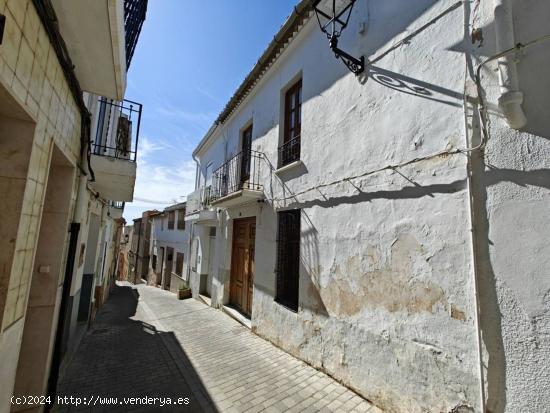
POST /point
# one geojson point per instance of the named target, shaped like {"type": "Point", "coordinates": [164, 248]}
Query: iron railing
{"type": "Point", "coordinates": [198, 200]}
{"type": "Point", "coordinates": [134, 16]}
{"type": "Point", "coordinates": [240, 172]}
{"type": "Point", "coordinates": [117, 204]}
{"type": "Point", "coordinates": [289, 151]}
{"type": "Point", "coordinates": [117, 132]}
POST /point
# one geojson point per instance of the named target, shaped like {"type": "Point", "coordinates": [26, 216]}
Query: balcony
{"type": "Point", "coordinates": [116, 209]}
{"type": "Point", "coordinates": [100, 36]}
{"type": "Point", "coordinates": [114, 148]}
{"type": "Point", "coordinates": [289, 152]}
{"type": "Point", "coordinates": [197, 207]}
{"type": "Point", "coordinates": [238, 180]}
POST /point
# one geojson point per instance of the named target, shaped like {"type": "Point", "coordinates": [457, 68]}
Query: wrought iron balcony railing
{"type": "Point", "coordinates": [198, 200]}
{"type": "Point", "coordinates": [117, 131]}
{"type": "Point", "coordinates": [240, 172]}
{"type": "Point", "coordinates": [134, 16]}
{"type": "Point", "coordinates": [117, 204]}
{"type": "Point", "coordinates": [289, 151]}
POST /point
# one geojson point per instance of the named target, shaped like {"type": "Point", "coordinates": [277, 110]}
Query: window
{"type": "Point", "coordinates": [171, 219]}
{"type": "Point", "coordinates": [288, 258]}
{"type": "Point", "coordinates": [179, 263]}
{"type": "Point", "coordinates": [212, 231]}
{"type": "Point", "coordinates": [154, 263]}
{"type": "Point", "coordinates": [246, 148]}
{"type": "Point", "coordinates": [181, 219]}
{"type": "Point", "coordinates": [289, 151]}
{"type": "Point", "coordinates": [162, 222]}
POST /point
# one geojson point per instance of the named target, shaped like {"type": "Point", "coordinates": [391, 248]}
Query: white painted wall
{"type": "Point", "coordinates": [175, 238]}
{"type": "Point", "coordinates": [387, 274]}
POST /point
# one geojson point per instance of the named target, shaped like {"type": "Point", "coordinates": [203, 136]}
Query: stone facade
{"type": "Point", "coordinates": [48, 210]}
{"type": "Point", "coordinates": [411, 288]}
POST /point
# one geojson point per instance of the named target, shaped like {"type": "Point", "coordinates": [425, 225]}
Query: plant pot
{"type": "Point", "coordinates": [183, 294]}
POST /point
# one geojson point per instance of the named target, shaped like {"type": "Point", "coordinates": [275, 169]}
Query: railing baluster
{"type": "Point", "coordinates": [289, 151]}
{"type": "Point", "coordinates": [242, 171]}
{"type": "Point", "coordinates": [125, 135]}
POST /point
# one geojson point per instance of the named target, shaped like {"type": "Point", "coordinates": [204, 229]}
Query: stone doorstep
{"type": "Point", "coordinates": [206, 300]}
{"type": "Point", "coordinates": [230, 311]}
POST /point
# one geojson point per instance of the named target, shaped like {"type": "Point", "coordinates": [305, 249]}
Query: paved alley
{"type": "Point", "coordinates": [146, 343]}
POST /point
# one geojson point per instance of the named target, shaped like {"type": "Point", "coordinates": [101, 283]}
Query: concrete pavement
{"type": "Point", "coordinates": [172, 348]}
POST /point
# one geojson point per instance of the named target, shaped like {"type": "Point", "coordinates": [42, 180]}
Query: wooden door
{"type": "Point", "coordinates": [242, 264]}
{"type": "Point", "coordinates": [161, 261]}
{"type": "Point", "coordinates": [169, 267]}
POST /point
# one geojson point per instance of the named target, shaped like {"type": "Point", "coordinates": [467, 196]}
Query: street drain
{"type": "Point", "coordinates": [100, 331]}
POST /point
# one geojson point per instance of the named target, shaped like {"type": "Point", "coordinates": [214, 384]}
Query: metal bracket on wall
{"type": "Point", "coordinates": [2, 25]}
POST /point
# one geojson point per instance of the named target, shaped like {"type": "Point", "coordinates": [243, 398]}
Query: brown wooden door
{"type": "Point", "coordinates": [169, 267]}
{"type": "Point", "coordinates": [242, 264]}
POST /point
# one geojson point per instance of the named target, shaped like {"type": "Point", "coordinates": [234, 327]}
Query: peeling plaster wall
{"type": "Point", "coordinates": [387, 300]}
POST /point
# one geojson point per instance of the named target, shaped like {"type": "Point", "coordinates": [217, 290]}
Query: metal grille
{"type": "Point", "coordinates": [288, 258]}
{"type": "Point", "coordinates": [289, 151]}
{"type": "Point", "coordinates": [117, 131]}
{"type": "Point", "coordinates": [134, 16]}
{"type": "Point", "coordinates": [117, 204]}
{"type": "Point", "coordinates": [240, 172]}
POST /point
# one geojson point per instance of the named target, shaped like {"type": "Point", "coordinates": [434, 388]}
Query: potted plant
{"type": "Point", "coordinates": [184, 292]}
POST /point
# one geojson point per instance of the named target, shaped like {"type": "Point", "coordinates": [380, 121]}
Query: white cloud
{"type": "Point", "coordinates": [164, 177]}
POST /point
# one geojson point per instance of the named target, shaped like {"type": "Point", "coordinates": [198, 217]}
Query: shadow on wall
{"type": "Point", "coordinates": [310, 268]}
{"type": "Point", "coordinates": [121, 357]}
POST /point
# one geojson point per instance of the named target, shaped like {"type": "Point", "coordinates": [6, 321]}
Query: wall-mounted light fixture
{"type": "Point", "coordinates": [333, 17]}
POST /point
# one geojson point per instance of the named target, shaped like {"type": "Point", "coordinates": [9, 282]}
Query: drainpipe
{"type": "Point", "coordinates": [511, 97]}
{"type": "Point", "coordinates": [192, 229]}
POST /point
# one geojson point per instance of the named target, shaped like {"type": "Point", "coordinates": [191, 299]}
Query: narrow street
{"type": "Point", "coordinates": [146, 343]}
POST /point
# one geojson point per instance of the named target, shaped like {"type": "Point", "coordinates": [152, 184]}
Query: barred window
{"type": "Point", "coordinates": [288, 258]}
{"type": "Point", "coordinates": [181, 219]}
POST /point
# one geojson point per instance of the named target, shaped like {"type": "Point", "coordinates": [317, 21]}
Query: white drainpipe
{"type": "Point", "coordinates": [511, 97]}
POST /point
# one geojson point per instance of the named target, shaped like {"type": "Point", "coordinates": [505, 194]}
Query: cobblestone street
{"type": "Point", "coordinates": [145, 342]}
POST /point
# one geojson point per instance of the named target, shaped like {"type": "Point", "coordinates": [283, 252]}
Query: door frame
{"type": "Point", "coordinates": [248, 282]}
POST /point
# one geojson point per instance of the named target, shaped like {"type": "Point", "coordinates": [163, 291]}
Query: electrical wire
{"type": "Point", "coordinates": [480, 146]}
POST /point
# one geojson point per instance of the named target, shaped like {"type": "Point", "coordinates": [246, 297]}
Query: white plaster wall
{"type": "Point", "coordinates": [512, 192]}
{"type": "Point", "coordinates": [170, 238]}
{"type": "Point", "coordinates": [387, 292]}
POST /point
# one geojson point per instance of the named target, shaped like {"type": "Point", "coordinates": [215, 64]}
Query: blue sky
{"type": "Point", "coordinates": [191, 56]}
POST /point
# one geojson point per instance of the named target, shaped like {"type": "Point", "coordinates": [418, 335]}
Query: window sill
{"type": "Point", "coordinates": [289, 166]}
{"type": "Point", "coordinates": [289, 307]}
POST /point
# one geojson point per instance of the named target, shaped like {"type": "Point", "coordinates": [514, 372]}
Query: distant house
{"type": "Point", "coordinates": [169, 248]}
{"type": "Point", "coordinates": [140, 247]}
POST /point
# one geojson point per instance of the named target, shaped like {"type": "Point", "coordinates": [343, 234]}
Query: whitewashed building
{"type": "Point", "coordinates": [391, 228]}
{"type": "Point", "coordinates": [169, 248]}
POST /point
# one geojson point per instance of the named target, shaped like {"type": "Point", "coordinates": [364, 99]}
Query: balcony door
{"type": "Point", "coordinates": [290, 150]}
{"type": "Point", "coordinates": [246, 150]}
{"type": "Point", "coordinates": [242, 264]}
